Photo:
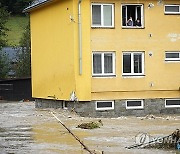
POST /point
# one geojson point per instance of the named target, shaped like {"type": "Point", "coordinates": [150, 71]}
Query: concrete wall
{"type": "Point", "coordinates": [87, 109]}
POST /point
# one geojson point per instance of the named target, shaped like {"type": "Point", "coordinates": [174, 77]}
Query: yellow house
{"type": "Point", "coordinates": [106, 57]}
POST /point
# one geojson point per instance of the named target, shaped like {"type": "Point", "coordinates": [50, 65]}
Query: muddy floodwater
{"type": "Point", "coordinates": [25, 129]}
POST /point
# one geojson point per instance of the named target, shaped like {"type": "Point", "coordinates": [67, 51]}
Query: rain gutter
{"type": "Point", "coordinates": [80, 37]}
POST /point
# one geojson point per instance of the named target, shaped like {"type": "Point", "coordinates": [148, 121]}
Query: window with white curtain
{"type": "Point", "coordinates": [102, 15]}
{"type": "Point", "coordinates": [133, 63]}
{"type": "Point", "coordinates": [103, 63]}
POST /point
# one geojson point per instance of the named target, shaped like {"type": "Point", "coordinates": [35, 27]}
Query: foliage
{"type": "Point", "coordinates": [16, 25]}
{"type": "Point", "coordinates": [90, 125]}
{"type": "Point", "coordinates": [3, 30]}
{"type": "Point", "coordinates": [23, 68]}
{"type": "Point", "coordinates": [16, 6]}
{"type": "Point", "coordinates": [4, 65]}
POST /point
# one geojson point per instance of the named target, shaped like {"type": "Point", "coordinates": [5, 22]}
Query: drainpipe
{"type": "Point", "coordinates": [80, 37]}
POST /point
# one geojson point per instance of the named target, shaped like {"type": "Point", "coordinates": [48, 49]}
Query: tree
{"type": "Point", "coordinates": [4, 62]}
{"type": "Point", "coordinates": [23, 67]}
{"type": "Point", "coordinates": [16, 6]}
{"type": "Point", "coordinates": [4, 65]}
{"type": "Point", "coordinates": [3, 19]}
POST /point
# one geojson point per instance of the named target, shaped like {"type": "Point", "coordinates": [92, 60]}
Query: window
{"type": "Point", "coordinates": [135, 12]}
{"type": "Point", "coordinates": [104, 105]}
{"type": "Point", "coordinates": [102, 15]}
{"type": "Point", "coordinates": [134, 104]}
{"type": "Point", "coordinates": [172, 103]}
{"type": "Point", "coordinates": [172, 56]}
{"type": "Point", "coordinates": [133, 63]}
{"type": "Point", "coordinates": [172, 9]}
{"type": "Point", "coordinates": [103, 63]}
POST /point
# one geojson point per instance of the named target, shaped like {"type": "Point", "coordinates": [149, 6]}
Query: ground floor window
{"type": "Point", "coordinates": [133, 63]}
{"type": "Point", "coordinates": [172, 103]}
{"type": "Point", "coordinates": [134, 104]}
{"type": "Point", "coordinates": [104, 105]}
{"type": "Point", "coordinates": [103, 63]}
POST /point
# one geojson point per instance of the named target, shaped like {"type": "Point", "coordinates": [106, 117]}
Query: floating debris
{"type": "Point", "coordinates": [90, 125]}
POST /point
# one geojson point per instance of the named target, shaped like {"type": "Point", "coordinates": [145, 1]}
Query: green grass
{"type": "Point", "coordinates": [16, 26]}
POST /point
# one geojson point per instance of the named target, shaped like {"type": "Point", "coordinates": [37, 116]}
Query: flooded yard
{"type": "Point", "coordinates": [24, 129]}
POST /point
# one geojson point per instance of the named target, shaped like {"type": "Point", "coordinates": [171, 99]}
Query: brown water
{"type": "Point", "coordinates": [24, 129]}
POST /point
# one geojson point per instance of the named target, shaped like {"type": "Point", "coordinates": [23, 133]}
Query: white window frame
{"type": "Point", "coordinates": [102, 15]}
{"type": "Point", "coordinates": [142, 16]}
{"type": "Point", "coordinates": [102, 64]}
{"type": "Point", "coordinates": [171, 106]}
{"type": "Point", "coordinates": [105, 108]}
{"type": "Point", "coordinates": [172, 59]}
{"type": "Point", "coordinates": [165, 12]}
{"type": "Point", "coordinates": [132, 63]}
{"type": "Point", "coordinates": [135, 107]}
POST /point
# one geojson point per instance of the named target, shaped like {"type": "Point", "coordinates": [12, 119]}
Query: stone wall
{"type": "Point", "coordinates": [151, 106]}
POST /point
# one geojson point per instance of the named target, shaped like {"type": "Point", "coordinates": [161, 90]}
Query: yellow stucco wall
{"type": "Point", "coordinates": [165, 31]}
{"type": "Point", "coordinates": [83, 81]}
{"type": "Point", "coordinates": [55, 52]}
{"type": "Point", "coordinates": [52, 34]}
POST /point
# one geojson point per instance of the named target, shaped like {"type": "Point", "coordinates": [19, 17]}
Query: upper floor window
{"type": "Point", "coordinates": [103, 63]}
{"type": "Point", "coordinates": [172, 9]}
{"type": "Point", "coordinates": [172, 56]}
{"type": "Point", "coordinates": [132, 16]}
{"type": "Point", "coordinates": [133, 63]}
{"type": "Point", "coordinates": [102, 15]}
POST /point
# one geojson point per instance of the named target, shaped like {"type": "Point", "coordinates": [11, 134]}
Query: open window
{"type": "Point", "coordinates": [132, 16]}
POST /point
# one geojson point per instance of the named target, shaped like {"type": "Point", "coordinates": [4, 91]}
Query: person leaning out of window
{"type": "Point", "coordinates": [129, 22]}
{"type": "Point", "coordinates": [138, 22]}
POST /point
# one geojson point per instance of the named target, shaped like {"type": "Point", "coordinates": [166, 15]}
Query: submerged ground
{"type": "Point", "coordinates": [24, 129]}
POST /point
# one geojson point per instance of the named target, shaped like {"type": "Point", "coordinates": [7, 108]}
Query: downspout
{"type": "Point", "coordinates": [80, 37]}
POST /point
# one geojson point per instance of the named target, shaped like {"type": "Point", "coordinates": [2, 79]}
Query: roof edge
{"type": "Point", "coordinates": [32, 7]}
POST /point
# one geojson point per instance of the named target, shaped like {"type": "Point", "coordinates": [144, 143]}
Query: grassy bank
{"type": "Point", "coordinates": [16, 26]}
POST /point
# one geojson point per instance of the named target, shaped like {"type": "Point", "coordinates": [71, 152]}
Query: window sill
{"type": "Point", "coordinates": [135, 108]}
{"type": "Point", "coordinates": [172, 61]}
{"type": "Point", "coordinates": [172, 106]}
{"type": "Point", "coordinates": [94, 27]}
{"type": "Point", "coordinates": [133, 27]}
{"type": "Point", "coordinates": [104, 76]}
{"type": "Point", "coordinates": [133, 76]}
{"type": "Point", "coordinates": [170, 13]}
